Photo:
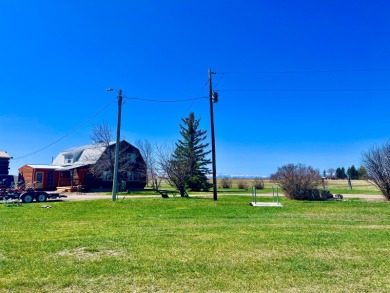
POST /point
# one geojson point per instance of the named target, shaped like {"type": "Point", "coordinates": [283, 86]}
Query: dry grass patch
{"type": "Point", "coordinates": [82, 253]}
{"type": "Point", "coordinates": [358, 186]}
{"type": "Point", "coordinates": [2, 256]}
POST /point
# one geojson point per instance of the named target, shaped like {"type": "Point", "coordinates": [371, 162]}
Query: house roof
{"type": "Point", "coordinates": [42, 166]}
{"type": "Point", "coordinates": [80, 155]}
{"type": "Point", "coordinates": [4, 154]}
{"type": "Point", "coordinates": [67, 168]}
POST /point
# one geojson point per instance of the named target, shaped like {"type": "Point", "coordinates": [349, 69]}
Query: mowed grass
{"type": "Point", "coordinates": [195, 245]}
{"type": "Point", "coordinates": [358, 187]}
{"type": "Point", "coordinates": [334, 186]}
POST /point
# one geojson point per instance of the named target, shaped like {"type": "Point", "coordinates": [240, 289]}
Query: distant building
{"type": "Point", "coordinates": [89, 166]}
{"type": "Point", "coordinates": [4, 162]}
{"type": "Point", "coordinates": [6, 180]}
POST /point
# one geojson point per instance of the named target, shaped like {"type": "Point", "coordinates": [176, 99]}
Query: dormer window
{"type": "Point", "coordinates": [68, 159]}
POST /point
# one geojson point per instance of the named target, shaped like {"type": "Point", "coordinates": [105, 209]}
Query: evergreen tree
{"type": "Point", "coordinates": [362, 173]}
{"type": "Point", "coordinates": [353, 173]}
{"type": "Point", "coordinates": [340, 173]}
{"type": "Point", "coordinates": [191, 150]}
{"type": "Point", "coordinates": [343, 175]}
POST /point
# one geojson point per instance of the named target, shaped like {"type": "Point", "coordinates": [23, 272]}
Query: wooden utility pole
{"type": "Point", "coordinates": [212, 100]}
{"type": "Point", "coordinates": [118, 135]}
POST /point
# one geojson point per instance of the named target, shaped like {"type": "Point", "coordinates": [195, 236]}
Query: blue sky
{"type": "Point", "coordinates": [299, 81]}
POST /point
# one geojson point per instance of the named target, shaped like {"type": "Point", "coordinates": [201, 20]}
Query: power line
{"type": "Point", "coordinates": [301, 90]}
{"type": "Point", "coordinates": [309, 71]}
{"type": "Point", "coordinates": [69, 133]}
{"type": "Point", "coordinates": [166, 101]}
{"type": "Point", "coordinates": [219, 79]}
{"type": "Point", "coordinates": [97, 113]}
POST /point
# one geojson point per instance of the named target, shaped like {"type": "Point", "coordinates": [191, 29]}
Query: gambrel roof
{"type": "Point", "coordinates": [80, 156]}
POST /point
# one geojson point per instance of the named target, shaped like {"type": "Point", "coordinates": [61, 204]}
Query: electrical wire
{"type": "Point", "coordinates": [300, 90]}
{"type": "Point", "coordinates": [165, 101]}
{"type": "Point", "coordinates": [99, 112]}
{"type": "Point", "coordinates": [69, 133]}
{"type": "Point", "coordinates": [219, 79]}
{"type": "Point", "coordinates": [309, 71]}
{"type": "Point", "coordinates": [305, 90]}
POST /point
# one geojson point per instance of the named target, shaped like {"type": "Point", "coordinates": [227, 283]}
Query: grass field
{"type": "Point", "coordinates": [358, 187]}
{"type": "Point", "coordinates": [334, 186]}
{"type": "Point", "coordinates": [195, 245]}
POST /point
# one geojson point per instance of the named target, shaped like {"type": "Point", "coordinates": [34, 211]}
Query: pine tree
{"type": "Point", "coordinates": [340, 173]}
{"type": "Point", "coordinates": [191, 149]}
{"type": "Point", "coordinates": [362, 173]}
{"type": "Point", "coordinates": [343, 173]}
{"type": "Point", "coordinates": [353, 173]}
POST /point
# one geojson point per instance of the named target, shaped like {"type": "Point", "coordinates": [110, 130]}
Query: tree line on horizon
{"type": "Point", "coordinates": [352, 173]}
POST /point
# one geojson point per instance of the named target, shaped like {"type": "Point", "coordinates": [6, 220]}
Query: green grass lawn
{"type": "Point", "coordinates": [334, 186]}
{"type": "Point", "coordinates": [195, 245]}
{"type": "Point", "coordinates": [358, 187]}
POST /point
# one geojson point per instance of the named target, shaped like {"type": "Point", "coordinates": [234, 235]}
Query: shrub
{"type": "Point", "coordinates": [313, 194]}
{"type": "Point", "coordinates": [242, 184]}
{"type": "Point", "coordinates": [258, 183]}
{"type": "Point", "coordinates": [300, 182]}
{"type": "Point", "coordinates": [226, 183]}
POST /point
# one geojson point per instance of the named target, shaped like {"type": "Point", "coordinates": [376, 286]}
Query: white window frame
{"type": "Point", "coordinates": [68, 159]}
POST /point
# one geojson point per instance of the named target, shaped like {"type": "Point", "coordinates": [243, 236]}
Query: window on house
{"type": "Point", "coordinates": [132, 158]}
{"type": "Point", "coordinates": [132, 176]}
{"type": "Point", "coordinates": [107, 176]}
{"type": "Point", "coordinates": [68, 159]}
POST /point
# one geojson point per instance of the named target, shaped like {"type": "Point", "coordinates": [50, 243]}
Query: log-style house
{"type": "Point", "coordinates": [89, 166]}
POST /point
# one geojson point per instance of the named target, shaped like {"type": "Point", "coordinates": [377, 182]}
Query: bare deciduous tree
{"type": "Point", "coordinates": [331, 172]}
{"type": "Point", "coordinates": [377, 164]}
{"type": "Point", "coordinates": [149, 155]}
{"type": "Point", "coordinates": [102, 134]}
{"type": "Point", "coordinates": [102, 137]}
{"type": "Point", "coordinates": [175, 171]}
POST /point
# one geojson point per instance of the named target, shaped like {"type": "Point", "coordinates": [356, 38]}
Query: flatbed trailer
{"type": "Point", "coordinates": [29, 196]}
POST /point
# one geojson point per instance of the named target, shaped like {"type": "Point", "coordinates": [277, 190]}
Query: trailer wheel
{"type": "Point", "coordinates": [27, 197]}
{"type": "Point", "coordinates": [41, 197]}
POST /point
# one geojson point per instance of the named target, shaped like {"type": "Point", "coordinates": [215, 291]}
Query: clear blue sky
{"type": "Point", "coordinates": [300, 81]}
